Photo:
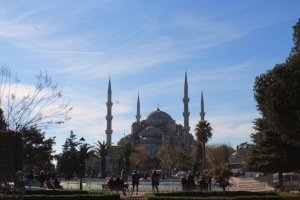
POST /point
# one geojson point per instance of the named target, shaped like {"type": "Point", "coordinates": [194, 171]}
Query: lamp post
{"type": "Point", "coordinates": [81, 167]}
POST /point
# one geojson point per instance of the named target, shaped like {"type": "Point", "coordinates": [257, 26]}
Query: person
{"type": "Point", "coordinates": [42, 179]}
{"type": "Point", "coordinates": [56, 184]}
{"type": "Point", "coordinates": [135, 181]}
{"type": "Point", "coordinates": [49, 181]}
{"type": "Point", "coordinates": [111, 182]}
{"type": "Point", "coordinates": [19, 184]}
{"type": "Point", "coordinates": [209, 183]}
{"type": "Point", "coordinates": [124, 176]}
{"type": "Point", "coordinates": [119, 182]}
{"type": "Point", "coordinates": [184, 183]}
{"type": "Point", "coordinates": [155, 180]}
{"type": "Point", "coordinates": [191, 178]}
{"type": "Point", "coordinates": [146, 176]}
{"type": "Point", "coordinates": [202, 183]}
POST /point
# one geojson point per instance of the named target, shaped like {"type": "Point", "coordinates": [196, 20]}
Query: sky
{"type": "Point", "coordinates": [146, 47]}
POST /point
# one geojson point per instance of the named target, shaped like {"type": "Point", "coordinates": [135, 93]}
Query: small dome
{"type": "Point", "coordinates": [135, 124]}
{"type": "Point", "coordinates": [158, 114]}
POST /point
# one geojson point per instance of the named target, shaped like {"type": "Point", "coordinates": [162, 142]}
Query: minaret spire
{"type": "Point", "coordinates": [109, 116]}
{"type": "Point", "coordinates": [186, 112]}
{"type": "Point", "coordinates": [202, 113]}
{"type": "Point", "coordinates": [138, 115]}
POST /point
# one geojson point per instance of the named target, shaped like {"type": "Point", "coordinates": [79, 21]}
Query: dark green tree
{"type": "Point", "coordinates": [269, 153]}
{"type": "Point", "coordinates": [203, 133]}
{"type": "Point", "coordinates": [102, 150]}
{"type": "Point", "coordinates": [183, 160]}
{"type": "Point", "coordinates": [277, 93]}
{"type": "Point", "coordinates": [11, 151]}
{"type": "Point", "coordinates": [69, 160]}
{"type": "Point", "coordinates": [38, 151]}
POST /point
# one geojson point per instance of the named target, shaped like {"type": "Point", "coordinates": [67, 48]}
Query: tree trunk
{"type": "Point", "coordinates": [103, 163]}
{"type": "Point", "coordinates": [198, 157]}
{"type": "Point", "coordinates": [281, 181]}
{"type": "Point", "coordinates": [204, 162]}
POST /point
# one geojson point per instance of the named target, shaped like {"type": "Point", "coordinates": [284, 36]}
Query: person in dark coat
{"type": "Point", "coordinates": [155, 180]}
{"type": "Point", "coordinates": [191, 178]}
{"type": "Point", "coordinates": [42, 179]}
{"type": "Point", "coordinates": [135, 181]}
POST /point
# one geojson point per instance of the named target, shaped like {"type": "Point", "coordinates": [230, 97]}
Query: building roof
{"type": "Point", "coordinates": [158, 114]}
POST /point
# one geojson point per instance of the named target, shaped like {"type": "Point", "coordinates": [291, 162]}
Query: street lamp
{"type": "Point", "coordinates": [81, 167]}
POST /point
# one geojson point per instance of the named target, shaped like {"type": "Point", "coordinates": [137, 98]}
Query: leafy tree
{"type": "Point", "coordinates": [38, 152]}
{"type": "Point", "coordinates": [166, 154]}
{"type": "Point", "coordinates": [277, 93]}
{"type": "Point", "coordinates": [40, 107]}
{"type": "Point", "coordinates": [11, 151]}
{"type": "Point", "coordinates": [102, 150]}
{"type": "Point", "coordinates": [140, 157]}
{"type": "Point", "coordinates": [3, 124]}
{"type": "Point", "coordinates": [203, 133]}
{"type": "Point", "coordinates": [271, 154]}
{"type": "Point", "coordinates": [183, 158]}
{"type": "Point", "coordinates": [277, 137]}
{"type": "Point", "coordinates": [218, 154]}
{"type": "Point", "coordinates": [221, 174]}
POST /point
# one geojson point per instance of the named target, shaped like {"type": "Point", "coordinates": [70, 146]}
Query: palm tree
{"type": "Point", "coordinates": [203, 132]}
{"type": "Point", "coordinates": [85, 153]}
{"type": "Point", "coordinates": [102, 150]}
{"type": "Point", "coordinates": [126, 150]}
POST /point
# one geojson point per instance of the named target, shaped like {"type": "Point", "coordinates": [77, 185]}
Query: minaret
{"type": "Point", "coordinates": [202, 113]}
{"type": "Point", "coordinates": [138, 115]}
{"type": "Point", "coordinates": [109, 117]}
{"type": "Point", "coordinates": [186, 113]}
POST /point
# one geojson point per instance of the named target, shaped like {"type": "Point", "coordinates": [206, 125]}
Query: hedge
{"type": "Point", "coordinates": [216, 194]}
{"type": "Point", "coordinates": [222, 196]}
{"type": "Point", "coordinates": [63, 196]}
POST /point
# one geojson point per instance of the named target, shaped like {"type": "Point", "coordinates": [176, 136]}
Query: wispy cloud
{"type": "Point", "coordinates": [67, 52]}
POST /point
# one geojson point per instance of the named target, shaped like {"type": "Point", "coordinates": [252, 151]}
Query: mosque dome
{"type": "Point", "coordinates": [151, 131]}
{"type": "Point", "coordinates": [158, 115]}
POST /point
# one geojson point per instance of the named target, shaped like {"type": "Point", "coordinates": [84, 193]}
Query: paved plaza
{"type": "Point", "coordinates": [166, 185]}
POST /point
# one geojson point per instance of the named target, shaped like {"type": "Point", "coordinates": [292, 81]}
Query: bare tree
{"type": "Point", "coordinates": [37, 106]}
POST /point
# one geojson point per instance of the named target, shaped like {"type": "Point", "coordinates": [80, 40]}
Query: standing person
{"type": "Point", "coordinates": [155, 180]}
{"type": "Point", "coordinates": [191, 178]}
{"type": "Point", "coordinates": [42, 179]}
{"type": "Point", "coordinates": [209, 183]}
{"type": "Point", "coordinates": [124, 176]}
{"type": "Point", "coordinates": [135, 181]}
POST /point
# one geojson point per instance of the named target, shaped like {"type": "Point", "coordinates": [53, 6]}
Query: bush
{"type": "Point", "coordinates": [63, 195]}
{"type": "Point", "coordinates": [240, 195]}
{"type": "Point", "coordinates": [217, 194]}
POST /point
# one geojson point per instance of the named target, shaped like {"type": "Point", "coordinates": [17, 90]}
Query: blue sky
{"type": "Point", "coordinates": [146, 46]}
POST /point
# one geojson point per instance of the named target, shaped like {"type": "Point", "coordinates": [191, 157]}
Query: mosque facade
{"type": "Point", "coordinates": [158, 127]}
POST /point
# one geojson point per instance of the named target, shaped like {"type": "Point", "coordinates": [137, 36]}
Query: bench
{"type": "Point", "coordinates": [105, 187]}
{"type": "Point", "coordinates": [118, 188]}
{"type": "Point", "coordinates": [194, 187]}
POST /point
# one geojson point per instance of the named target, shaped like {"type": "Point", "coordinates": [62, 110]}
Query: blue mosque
{"type": "Point", "coordinates": [158, 127]}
